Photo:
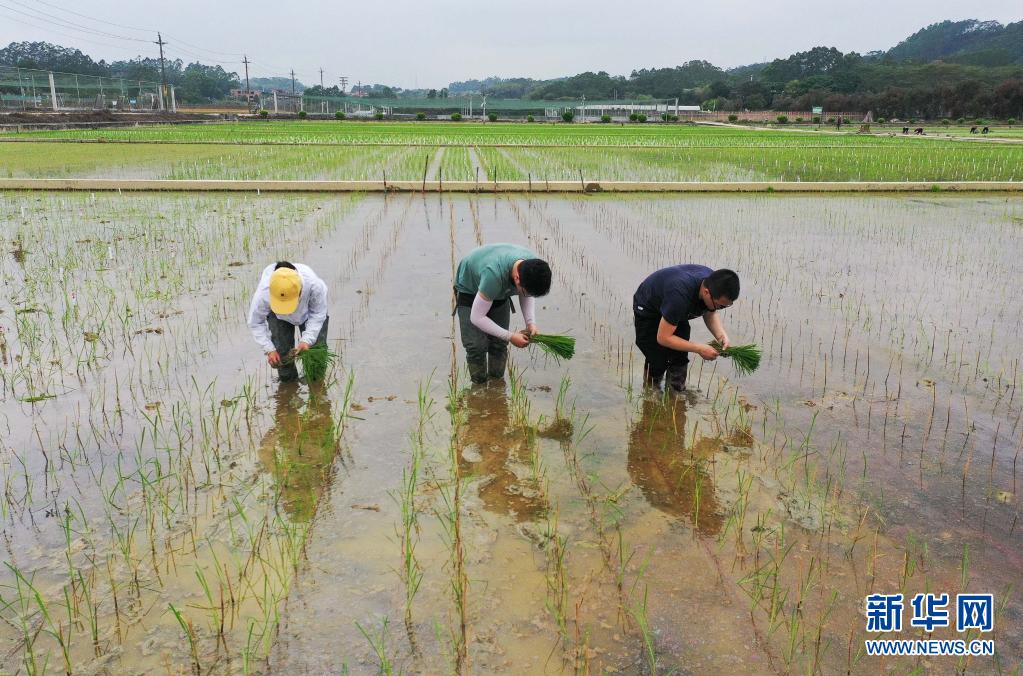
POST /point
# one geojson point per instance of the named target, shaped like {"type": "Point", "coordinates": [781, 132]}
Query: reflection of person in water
{"type": "Point", "coordinates": [673, 479]}
{"type": "Point", "coordinates": [497, 451]}
{"type": "Point", "coordinates": [299, 449]}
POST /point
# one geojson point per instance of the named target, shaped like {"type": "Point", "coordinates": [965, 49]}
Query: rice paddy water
{"type": "Point", "coordinates": [167, 506]}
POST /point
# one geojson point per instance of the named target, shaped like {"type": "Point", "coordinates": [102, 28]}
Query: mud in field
{"type": "Point", "coordinates": [168, 506]}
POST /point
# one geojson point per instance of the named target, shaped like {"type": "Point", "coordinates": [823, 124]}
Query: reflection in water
{"type": "Point", "coordinates": [674, 479]}
{"type": "Point", "coordinates": [299, 449]}
{"type": "Point", "coordinates": [501, 453]}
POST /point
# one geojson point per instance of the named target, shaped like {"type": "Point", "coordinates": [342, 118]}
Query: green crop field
{"type": "Point", "coordinates": [489, 152]}
{"type": "Point", "coordinates": [456, 133]}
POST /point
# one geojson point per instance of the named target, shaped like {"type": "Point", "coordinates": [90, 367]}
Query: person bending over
{"type": "Point", "coordinates": [486, 279]}
{"type": "Point", "coordinates": [288, 296]}
{"type": "Point", "coordinates": [664, 304]}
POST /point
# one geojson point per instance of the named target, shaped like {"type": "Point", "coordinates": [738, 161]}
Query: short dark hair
{"type": "Point", "coordinates": [535, 276]}
{"type": "Point", "coordinates": [723, 282]}
{"type": "Point", "coordinates": [284, 264]}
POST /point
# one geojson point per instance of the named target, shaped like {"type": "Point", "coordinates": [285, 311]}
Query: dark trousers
{"type": "Point", "coordinates": [660, 359]}
{"type": "Point", "coordinates": [487, 356]}
{"type": "Point", "coordinates": [282, 334]}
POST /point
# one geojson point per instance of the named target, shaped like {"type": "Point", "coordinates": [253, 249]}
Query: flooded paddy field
{"type": "Point", "coordinates": [167, 506]}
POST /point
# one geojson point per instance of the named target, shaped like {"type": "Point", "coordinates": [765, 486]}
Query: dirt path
{"type": "Point", "coordinates": [477, 165]}
{"type": "Point", "coordinates": [435, 163]}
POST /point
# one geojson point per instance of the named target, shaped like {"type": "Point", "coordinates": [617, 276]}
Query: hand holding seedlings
{"type": "Point", "coordinates": [519, 339]}
{"type": "Point", "coordinates": [290, 296]}
{"type": "Point", "coordinates": [706, 351]}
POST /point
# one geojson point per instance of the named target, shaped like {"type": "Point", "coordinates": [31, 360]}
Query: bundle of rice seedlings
{"type": "Point", "coordinates": [315, 362]}
{"type": "Point", "coordinates": [745, 357]}
{"type": "Point", "coordinates": [559, 347]}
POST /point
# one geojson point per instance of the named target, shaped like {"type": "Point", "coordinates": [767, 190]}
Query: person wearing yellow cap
{"type": "Point", "coordinates": [288, 296]}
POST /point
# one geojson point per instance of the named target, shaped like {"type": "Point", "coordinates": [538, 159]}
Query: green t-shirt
{"type": "Point", "coordinates": [487, 270]}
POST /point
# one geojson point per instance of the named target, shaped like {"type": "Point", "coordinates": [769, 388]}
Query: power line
{"type": "Point", "coordinates": [203, 49]}
{"type": "Point", "coordinates": [49, 29]}
{"type": "Point", "coordinates": [90, 18]}
{"type": "Point", "coordinates": [63, 23]}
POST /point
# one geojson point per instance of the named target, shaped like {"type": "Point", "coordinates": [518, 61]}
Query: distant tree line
{"type": "Point", "coordinates": [193, 82]}
{"type": "Point", "coordinates": [950, 69]}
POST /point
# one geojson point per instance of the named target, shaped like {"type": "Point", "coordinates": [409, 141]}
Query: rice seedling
{"type": "Point", "coordinates": [558, 347]}
{"type": "Point", "coordinates": [151, 450]}
{"type": "Point", "coordinates": [746, 358]}
{"type": "Point", "coordinates": [315, 362]}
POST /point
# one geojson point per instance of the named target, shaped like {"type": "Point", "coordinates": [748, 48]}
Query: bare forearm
{"type": "Point", "coordinates": [713, 322]}
{"type": "Point", "coordinates": [677, 344]}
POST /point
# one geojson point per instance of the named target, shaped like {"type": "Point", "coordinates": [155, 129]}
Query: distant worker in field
{"type": "Point", "coordinates": [664, 304]}
{"type": "Point", "coordinates": [486, 280]}
{"type": "Point", "coordinates": [288, 296]}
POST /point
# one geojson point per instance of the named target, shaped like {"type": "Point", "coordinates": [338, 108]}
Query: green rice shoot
{"type": "Point", "coordinates": [559, 347]}
{"type": "Point", "coordinates": [316, 361]}
{"type": "Point", "coordinates": [746, 358]}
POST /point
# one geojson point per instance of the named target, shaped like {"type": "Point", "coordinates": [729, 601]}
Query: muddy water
{"type": "Point", "coordinates": [738, 527]}
{"type": "Point", "coordinates": [665, 481]}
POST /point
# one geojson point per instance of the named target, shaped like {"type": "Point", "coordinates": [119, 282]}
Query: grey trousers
{"type": "Point", "coordinates": [487, 356]}
{"type": "Point", "coordinates": [282, 334]}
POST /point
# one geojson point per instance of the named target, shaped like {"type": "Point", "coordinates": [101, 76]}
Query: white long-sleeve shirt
{"type": "Point", "coordinates": [311, 310]}
{"type": "Point", "coordinates": [481, 306]}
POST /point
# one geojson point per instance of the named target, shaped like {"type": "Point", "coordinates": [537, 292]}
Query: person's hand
{"type": "Point", "coordinates": [302, 347]}
{"type": "Point", "coordinates": [272, 358]}
{"type": "Point", "coordinates": [533, 329]}
{"type": "Point", "coordinates": [707, 352]}
{"type": "Point", "coordinates": [519, 339]}
{"type": "Point", "coordinates": [725, 343]}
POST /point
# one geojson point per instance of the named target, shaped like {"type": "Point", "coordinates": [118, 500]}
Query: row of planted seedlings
{"type": "Point", "coordinates": [906, 322]}
{"type": "Point", "coordinates": [304, 163]}
{"type": "Point", "coordinates": [193, 552]}
{"type": "Point", "coordinates": [104, 160]}
{"type": "Point", "coordinates": [772, 163]}
{"type": "Point", "coordinates": [98, 276]}
{"type": "Point", "coordinates": [885, 401]}
{"type": "Point", "coordinates": [921, 424]}
{"type": "Point", "coordinates": [347, 132]}
{"type": "Point", "coordinates": [161, 455]}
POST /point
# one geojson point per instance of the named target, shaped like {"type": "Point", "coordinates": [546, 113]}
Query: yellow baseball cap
{"type": "Point", "coordinates": [285, 289]}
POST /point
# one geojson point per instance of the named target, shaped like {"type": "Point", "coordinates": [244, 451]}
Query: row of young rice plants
{"type": "Point", "coordinates": [141, 527]}
{"type": "Point", "coordinates": [289, 163]}
{"type": "Point", "coordinates": [96, 160]}
{"type": "Point", "coordinates": [843, 426]}
{"type": "Point", "coordinates": [776, 163]}
{"type": "Point", "coordinates": [440, 133]}
{"type": "Point", "coordinates": [911, 163]}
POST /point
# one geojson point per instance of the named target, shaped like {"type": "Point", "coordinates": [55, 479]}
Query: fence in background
{"type": "Point", "coordinates": [28, 90]}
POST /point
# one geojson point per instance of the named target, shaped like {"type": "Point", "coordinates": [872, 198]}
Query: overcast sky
{"type": "Point", "coordinates": [434, 42]}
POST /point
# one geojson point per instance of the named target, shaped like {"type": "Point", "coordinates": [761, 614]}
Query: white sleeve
{"type": "Point", "coordinates": [259, 310]}
{"type": "Point", "coordinates": [478, 317]}
{"type": "Point", "coordinates": [528, 306]}
{"type": "Point", "coordinates": [317, 312]}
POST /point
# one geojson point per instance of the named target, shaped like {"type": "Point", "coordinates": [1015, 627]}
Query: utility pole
{"type": "Point", "coordinates": [292, 81]}
{"type": "Point", "coordinates": [321, 78]}
{"type": "Point", "coordinates": [344, 83]}
{"type": "Point", "coordinates": [163, 69]}
{"type": "Point", "coordinates": [248, 90]}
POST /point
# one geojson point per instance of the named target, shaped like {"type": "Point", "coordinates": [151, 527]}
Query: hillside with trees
{"type": "Point", "coordinates": [950, 69]}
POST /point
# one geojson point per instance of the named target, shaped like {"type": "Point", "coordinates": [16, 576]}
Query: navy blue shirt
{"type": "Point", "coordinates": [672, 292]}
